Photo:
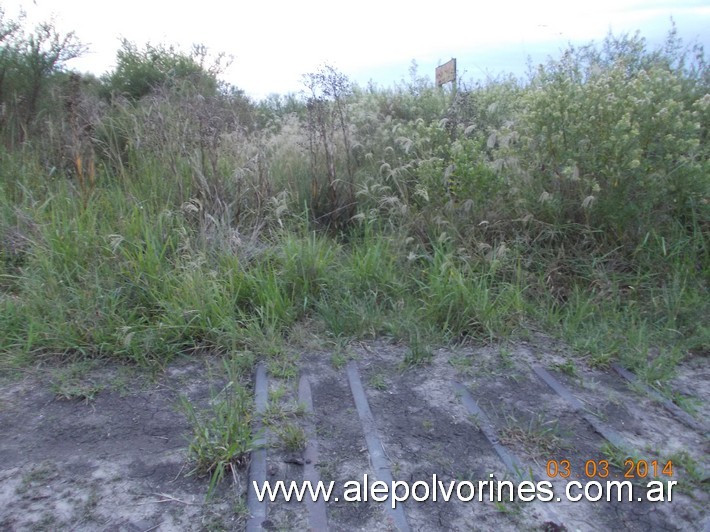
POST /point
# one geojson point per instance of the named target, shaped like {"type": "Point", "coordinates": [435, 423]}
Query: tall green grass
{"type": "Point", "coordinates": [576, 200]}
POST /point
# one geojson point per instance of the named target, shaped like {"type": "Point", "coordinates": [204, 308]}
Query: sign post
{"type": "Point", "coordinates": [446, 73]}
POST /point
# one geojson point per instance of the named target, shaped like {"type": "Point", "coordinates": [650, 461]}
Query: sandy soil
{"type": "Point", "coordinates": [118, 460]}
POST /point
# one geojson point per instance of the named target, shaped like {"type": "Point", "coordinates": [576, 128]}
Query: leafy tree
{"type": "Point", "coordinates": [139, 72]}
{"type": "Point", "coordinates": [28, 62]}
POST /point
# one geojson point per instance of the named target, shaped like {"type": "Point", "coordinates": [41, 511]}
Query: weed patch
{"type": "Point", "coordinates": [221, 434]}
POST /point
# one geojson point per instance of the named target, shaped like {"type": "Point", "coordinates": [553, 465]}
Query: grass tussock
{"type": "Point", "coordinates": [222, 434]}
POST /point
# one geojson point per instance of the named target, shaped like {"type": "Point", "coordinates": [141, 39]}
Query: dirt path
{"type": "Point", "coordinates": [118, 462]}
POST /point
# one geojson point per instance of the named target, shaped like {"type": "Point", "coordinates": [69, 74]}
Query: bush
{"type": "Point", "coordinates": [139, 72]}
{"type": "Point", "coordinates": [615, 140]}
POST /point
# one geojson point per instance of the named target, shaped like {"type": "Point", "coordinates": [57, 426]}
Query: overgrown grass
{"type": "Point", "coordinates": [577, 200]}
{"type": "Point", "coordinates": [222, 434]}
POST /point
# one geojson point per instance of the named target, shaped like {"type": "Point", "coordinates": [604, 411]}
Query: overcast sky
{"type": "Point", "coordinates": [274, 42]}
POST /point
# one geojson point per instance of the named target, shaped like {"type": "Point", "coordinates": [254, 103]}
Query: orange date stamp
{"type": "Point", "coordinates": [632, 469]}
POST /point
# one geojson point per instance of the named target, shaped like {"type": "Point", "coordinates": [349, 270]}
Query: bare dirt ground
{"type": "Point", "coordinates": [117, 458]}
{"type": "Point", "coordinates": [115, 462]}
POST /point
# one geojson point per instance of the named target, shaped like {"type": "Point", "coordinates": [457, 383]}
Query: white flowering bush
{"type": "Point", "coordinates": [617, 139]}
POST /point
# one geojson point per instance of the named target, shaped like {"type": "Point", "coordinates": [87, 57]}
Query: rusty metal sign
{"type": "Point", "coordinates": [446, 73]}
